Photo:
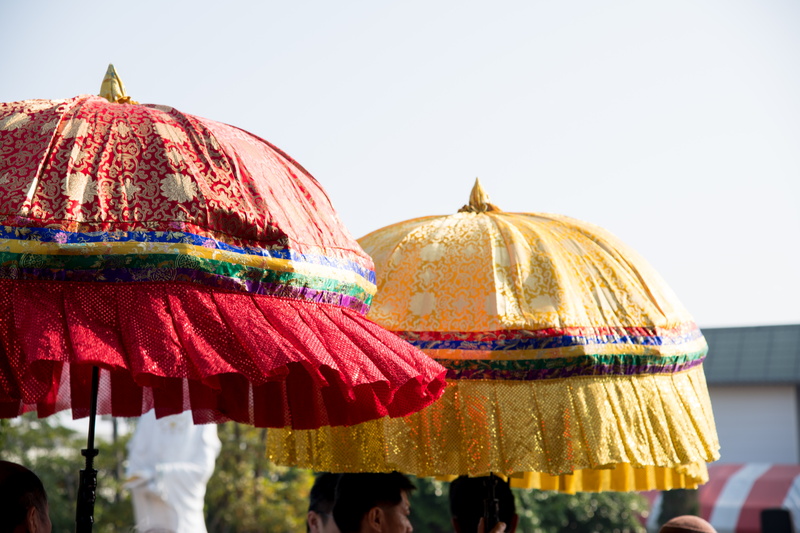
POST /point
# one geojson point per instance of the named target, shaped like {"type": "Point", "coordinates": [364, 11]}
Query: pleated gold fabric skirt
{"type": "Point", "coordinates": [589, 433]}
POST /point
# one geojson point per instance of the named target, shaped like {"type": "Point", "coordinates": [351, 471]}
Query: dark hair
{"type": "Point", "coordinates": [320, 500]}
{"type": "Point", "coordinates": [466, 501]}
{"type": "Point", "coordinates": [356, 494]}
{"type": "Point", "coordinates": [20, 489]}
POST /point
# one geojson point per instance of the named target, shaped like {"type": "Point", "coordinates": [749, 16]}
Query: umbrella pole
{"type": "Point", "coordinates": [491, 505]}
{"type": "Point", "coordinates": [84, 513]}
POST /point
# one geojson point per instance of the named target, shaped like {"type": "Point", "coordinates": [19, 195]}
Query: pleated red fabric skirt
{"type": "Point", "coordinates": [260, 360]}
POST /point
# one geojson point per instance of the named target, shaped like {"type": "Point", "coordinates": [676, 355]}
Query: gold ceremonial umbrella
{"type": "Point", "coordinates": [571, 365]}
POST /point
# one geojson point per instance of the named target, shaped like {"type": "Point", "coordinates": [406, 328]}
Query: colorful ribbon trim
{"type": "Point", "coordinates": [122, 257]}
{"type": "Point", "coordinates": [587, 365]}
{"type": "Point", "coordinates": [553, 353]}
{"type": "Point", "coordinates": [549, 339]}
{"type": "Point", "coordinates": [65, 240]}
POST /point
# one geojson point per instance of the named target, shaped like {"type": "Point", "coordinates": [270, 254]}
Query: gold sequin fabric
{"type": "Point", "coordinates": [587, 434]}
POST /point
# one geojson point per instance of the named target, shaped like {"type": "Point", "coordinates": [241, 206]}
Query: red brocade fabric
{"type": "Point", "coordinates": [198, 266]}
{"type": "Point", "coordinates": [85, 164]}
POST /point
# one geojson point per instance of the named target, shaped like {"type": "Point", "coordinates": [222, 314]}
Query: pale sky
{"type": "Point", "coordinates": [673, 124]}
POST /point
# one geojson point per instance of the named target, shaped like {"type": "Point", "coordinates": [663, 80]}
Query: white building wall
{"type": "Point", "coordinates": [756, 423]}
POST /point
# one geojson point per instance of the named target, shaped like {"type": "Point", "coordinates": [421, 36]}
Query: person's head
{"type": "Point", "coordinates": [373, 503]}
{"type": "Point", "coordinates": [320, 505]}
{"type": "Point", "coordinates": [467, 495]}
{"type": "Point", "coordinates": [687, 524]}
{"type": "Point", "coordinates": [23, 501]}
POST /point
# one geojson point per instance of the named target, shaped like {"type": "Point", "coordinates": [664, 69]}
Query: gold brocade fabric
{"type": "Point", "coordinates": [571, 364]}
{"type": "Point", "coordinates": [505, 271]}
{"type": "Point", "coordinates": [587, 434]}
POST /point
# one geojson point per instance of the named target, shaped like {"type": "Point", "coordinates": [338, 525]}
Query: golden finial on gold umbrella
{"type": "Point", "coordinates": [478, 201]}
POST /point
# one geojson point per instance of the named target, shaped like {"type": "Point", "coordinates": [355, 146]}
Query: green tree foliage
{"type": "Point", "coordinates": [539, 511]}
{"type": "Point", "coordinates": [248, 494]}
{"type": "Point", "coordinates": [54, 453]}
{"type": "Point", "coordinates": [114, 511]}
{"type": "Point", "coordinates": [584, 512]}
{"type": "Point", "coordinates": [430, 510]}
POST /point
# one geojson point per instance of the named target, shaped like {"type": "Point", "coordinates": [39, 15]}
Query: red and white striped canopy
{"type": "Point", "coordinates": [735, 495]}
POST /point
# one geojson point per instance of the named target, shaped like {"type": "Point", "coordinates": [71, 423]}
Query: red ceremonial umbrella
{"type": "Point", "coordinates": [170, 262]}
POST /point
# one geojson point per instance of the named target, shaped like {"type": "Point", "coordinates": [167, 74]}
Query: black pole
{"type": "Point", "coordinates": [491, 505]}
{"type": "Point", "coordinates": [84, 512]}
